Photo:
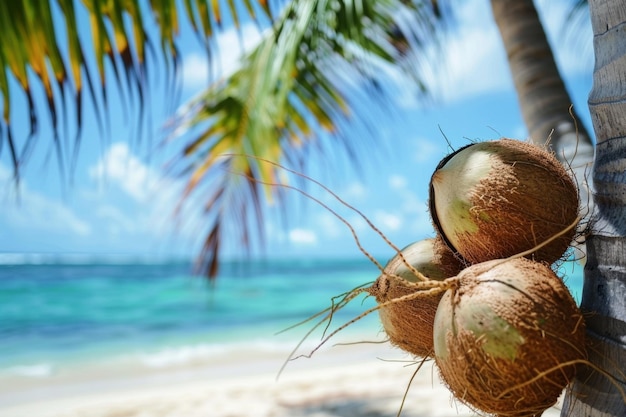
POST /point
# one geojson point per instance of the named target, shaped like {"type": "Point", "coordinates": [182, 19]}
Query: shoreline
{"type": "Point", "coordinates": [338, 381]}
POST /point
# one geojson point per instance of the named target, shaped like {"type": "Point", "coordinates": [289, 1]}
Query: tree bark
{"type": "Point", "coordinates": [545, 106]}
{"type": "Point", "coordinates": [544, 101]}
{"type": "Point", "coordinates": [604, 293]}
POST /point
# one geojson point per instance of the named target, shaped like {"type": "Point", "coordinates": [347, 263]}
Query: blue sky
{"type": "Point", "coordinates": [120, 200]}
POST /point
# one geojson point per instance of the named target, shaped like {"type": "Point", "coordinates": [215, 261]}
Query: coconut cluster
{"type": "Point", "coordinates": [506, 335]}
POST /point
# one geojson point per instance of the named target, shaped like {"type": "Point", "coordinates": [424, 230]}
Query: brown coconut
{"type": "Point", "coordinates": [508, 338]}
{"type": "Point", "coordinates": [409, 324]}
{"type": "Point", "coordinates": [495, 199]}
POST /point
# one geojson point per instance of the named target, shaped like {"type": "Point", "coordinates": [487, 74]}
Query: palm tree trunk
{"type": "Point", "coordinates": [604, 293]}
{"type": "Point", "coordinates": [543, 98]}
{"type": "Point", "coordinates": [545, 103]}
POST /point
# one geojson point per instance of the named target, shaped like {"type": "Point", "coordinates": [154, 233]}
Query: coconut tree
{"type": "Point", "coordinates": [604, 292]}
{"type": "Point", "coordinates": [544, 104]}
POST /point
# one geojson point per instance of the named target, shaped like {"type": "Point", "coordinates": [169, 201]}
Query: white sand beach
{"type": "Point", "coordinates": [364, 380]}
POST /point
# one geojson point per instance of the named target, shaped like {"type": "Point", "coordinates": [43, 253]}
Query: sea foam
{"type": "Point", "coordinates": [39, 370]}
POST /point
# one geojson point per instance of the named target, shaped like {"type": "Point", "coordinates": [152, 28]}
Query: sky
{"type": "Point", "coordinates": [120, 200]}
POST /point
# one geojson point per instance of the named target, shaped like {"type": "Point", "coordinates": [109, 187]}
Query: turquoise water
{"type": "Point", "coordinates": [52, 313]}
{"type": "Point", "coordinates": [55, 312]}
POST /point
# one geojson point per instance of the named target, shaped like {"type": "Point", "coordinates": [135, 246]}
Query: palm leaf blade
{"type": "Point", "coordinates": [31, 40]}
{"type": "Point", "coordinates": [287, 90]}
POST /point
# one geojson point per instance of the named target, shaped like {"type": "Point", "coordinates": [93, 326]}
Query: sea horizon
{"type": "Point", "coordinates": [76, 314]}
{"type": "Point", "coordinates": [60, 312]}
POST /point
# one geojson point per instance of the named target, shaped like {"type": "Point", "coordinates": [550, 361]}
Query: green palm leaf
{"type": "Point", "coordinates": [30, 43]}
{"type": "Point", "coordinates": [287, 91]}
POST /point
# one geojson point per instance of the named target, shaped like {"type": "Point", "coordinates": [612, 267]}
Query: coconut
{"type": "Point", "coordinates": [507, 339]}
{"type": "Point", "coordinates": [409, 323]}
{"type": "Point", "coordinates": [495, 199]}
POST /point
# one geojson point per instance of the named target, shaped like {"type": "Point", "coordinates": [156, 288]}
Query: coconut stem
{"type": "Point", "coordinates": [332, 193]}
{"type": "Point", "coordinates": [422, 289]}
{"type": "Point", "coordinates": [335, 306]}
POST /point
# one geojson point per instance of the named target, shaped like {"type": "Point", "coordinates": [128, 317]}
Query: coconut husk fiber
{"type": "Point", "coordinates": [409, 323]}
{"type": "Point", "coordinates": [495, 199]}
{"type": "Point", "coordinates": [508, 339]}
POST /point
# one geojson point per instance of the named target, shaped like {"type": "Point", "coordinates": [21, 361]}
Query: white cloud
{"type": "Point", "coordinates": [302, 236]}
{"type": "Point", "coordinates": [388, 221]}
{"type": "Point", "coordinates": [474, 60]}
{"type": "Point", "coordinates": [155, 195]}
{"type": "Point", "coordinates": [354, 191]}
{"type": "Point", "coordinates": [230, 46]}
{"type": "Point", "coordinates": [195, 72]}
{"type": "Point", "coordinates": [30, 210]}
{"type": "Point", "coordinates": [47, 214]}
{"type": "Point", "coordinates": [411, 213]}
{"type": "Point", "coordinates": [120, 167]}
{"type": "Point", "coordinates": [398, 182]}
{"type": "Point", "coordinates": [118, 223]}
{"type": "Point", "coordinates": [471, 60]}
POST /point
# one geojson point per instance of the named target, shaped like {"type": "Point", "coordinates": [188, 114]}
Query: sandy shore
{"type": "Point", "coordinates": [362, 380]}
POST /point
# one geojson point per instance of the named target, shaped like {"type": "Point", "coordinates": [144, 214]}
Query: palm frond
{"type": "Point", "coordinates": [41, 46]}
{"type": "Point", "coordinates": [288, 90]}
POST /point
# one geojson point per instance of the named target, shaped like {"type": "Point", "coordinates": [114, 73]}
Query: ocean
{"type": "Point", "coordinates": [60, 313]}
{"type": "Point", "coordinates": [56, 313]}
